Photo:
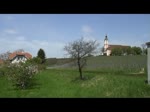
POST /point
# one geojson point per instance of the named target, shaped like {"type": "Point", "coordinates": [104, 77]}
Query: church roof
{"type": "Point", "coordinates": [110, 47]}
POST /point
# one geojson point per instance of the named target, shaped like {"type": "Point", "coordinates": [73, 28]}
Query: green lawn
{"type": "Point", "coordinates": [63, 83]}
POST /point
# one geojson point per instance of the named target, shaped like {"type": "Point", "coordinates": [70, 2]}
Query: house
{"type": "Point", "coordinates": [108, 48]}
{"type": "Point", "coordinates": [17, 57]}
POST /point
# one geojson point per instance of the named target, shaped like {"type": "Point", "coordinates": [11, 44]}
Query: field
{"type": "Point", "coordinates": [104, 77]}
{"type": "Point", "coordinates": [104, 63]}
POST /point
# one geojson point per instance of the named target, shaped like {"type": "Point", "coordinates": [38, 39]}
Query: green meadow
{"type": "Point", "coordinates": [105, 77]}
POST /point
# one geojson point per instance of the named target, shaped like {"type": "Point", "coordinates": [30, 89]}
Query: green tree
{"type": "Point", "coordinates": [117, 52]}
{"type": "Point", "coordinates": [34, 60]}
{"type": "Point", "coordinates": [41, 54]}
{"type": "Point", "coordinates": [128, 50]}
{"type": "Point", "coordinates": [136, 50]}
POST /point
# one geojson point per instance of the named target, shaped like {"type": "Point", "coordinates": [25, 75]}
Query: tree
{"type": "Point", "coordinates": [129, 50]}
{"type": "Point", "coordinates": [79, 51]}
{"type": "Point", "coordinates": [41, 54]}
{"type": "Point", "coordinates": [5, 56]}
{"type": "Point", "coordinates": [136, 50]}
{"type": "Point", "coordinates": [117, 52]}
{"type": "Point", "coordinates": [144, 49]}
{"type": "Point", "coordinates": [102, 50]}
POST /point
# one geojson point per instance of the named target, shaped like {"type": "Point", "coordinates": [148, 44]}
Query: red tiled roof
{"type": "Point", "coordinates": [27, 55]}
{"type": "Point", "coordinates": [110, 47]}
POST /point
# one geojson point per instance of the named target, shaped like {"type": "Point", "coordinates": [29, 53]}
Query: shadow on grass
{"type": "Point", "coordinates": [33, 85]}
{"type": "Point", "coordinates": [85, 78]}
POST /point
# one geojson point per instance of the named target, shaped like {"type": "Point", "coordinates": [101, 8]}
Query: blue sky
{"type": "Point", "coordinates": [53, 31]}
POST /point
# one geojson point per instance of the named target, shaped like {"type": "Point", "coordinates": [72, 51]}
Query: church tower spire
{"type": "Point", "coordinates": [105, 43]}
{"type": "Point", "coordinates": [106, 37]}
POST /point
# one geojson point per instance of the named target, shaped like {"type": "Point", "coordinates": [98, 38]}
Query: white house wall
{"type": "Point", "coordinates": [15, 60]}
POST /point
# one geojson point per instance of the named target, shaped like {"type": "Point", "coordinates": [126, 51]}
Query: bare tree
{"type": "Point", "coordinates": [79, 50]}
{"type": "Point", "coordinates": [102, 50]}
{"type": "Point", "coordinates": [143, 49]}
{"type": "Point", "coordinates": [5, 56]}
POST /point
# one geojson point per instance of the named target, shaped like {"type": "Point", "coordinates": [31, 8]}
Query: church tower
{"type": "Point", "coordinates": [105, 43]}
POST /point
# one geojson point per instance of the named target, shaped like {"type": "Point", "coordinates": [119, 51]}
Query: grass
{"type": "Point", "coordinates": [115, 77]}
{"type": "Point", "coordinates": [55, 83]}
{"type": "Point", "coordinates": [111, 63]}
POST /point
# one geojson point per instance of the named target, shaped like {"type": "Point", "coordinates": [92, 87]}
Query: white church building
{"type": "Point", "coordinates": [108, 48]}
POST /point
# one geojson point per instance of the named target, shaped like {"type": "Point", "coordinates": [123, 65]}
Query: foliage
{"type": "Point", "coordinates": [41, 54]}
{"type": "Point", "coordinates": [37, 61]}
{"type": "Point", "coordinates": [137, 50]}
{"type": "Point", "coordinates": [21, 74]}
{"type": "Point", "coordinates": [117, 52]}
{"type": "Point", "coordinates": [126, 51]}
{"type": "Point", "coordinates": [79, 51]}
{"type": "Point", "coordinates": [34, 60]}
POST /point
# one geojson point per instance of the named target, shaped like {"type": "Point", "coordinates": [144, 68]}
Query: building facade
{"type": "Point", "coordinates": [17, 57]}
{"type": "Point", "coordinates": [108, 48]}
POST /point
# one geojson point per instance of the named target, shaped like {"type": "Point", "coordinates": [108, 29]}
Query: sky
{"type": "Point", "coordinates": [52, 32]}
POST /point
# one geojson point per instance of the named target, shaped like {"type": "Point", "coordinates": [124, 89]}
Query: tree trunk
{"type": "Point", "coordinates": [80, 69]}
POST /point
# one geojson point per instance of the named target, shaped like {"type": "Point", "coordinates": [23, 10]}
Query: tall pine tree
{"type": "Point", "coordinates": [41, 54]}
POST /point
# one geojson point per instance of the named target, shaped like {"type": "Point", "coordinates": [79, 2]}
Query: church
{"type": "Point", "coordinates": [108, 48]}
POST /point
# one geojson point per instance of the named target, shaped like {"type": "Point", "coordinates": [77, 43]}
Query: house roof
{"type": "Point", "coordinates": [110, 47]}
{"type": "Point", "coordinates": [26, 54]}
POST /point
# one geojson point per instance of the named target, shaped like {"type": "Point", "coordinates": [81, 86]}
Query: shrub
{"type": "Point", "coordinates": [34, 60]}
{"type": "Point", "coordinates": [37, 61]}
{"type": "Point", "coordinates": [22, 74]}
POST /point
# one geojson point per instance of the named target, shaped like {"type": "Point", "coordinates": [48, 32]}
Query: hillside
{"type": "Point", "coordinates": [106, 62]}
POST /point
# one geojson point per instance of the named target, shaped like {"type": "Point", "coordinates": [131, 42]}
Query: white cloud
{"type": "Point", "coordinates": [87, 32]}
{"type": "Point", "coordinates": [52, 49]}
{"type": "Point", "coordinates": [10, 31]}
{"type": "Point", "coordinates": [20, 38]}
{"type": "Point", "coordinates": [86, 29]}
{"type": "Point", "coordinates": [87, 38]}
